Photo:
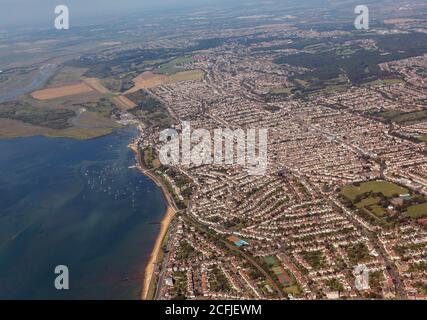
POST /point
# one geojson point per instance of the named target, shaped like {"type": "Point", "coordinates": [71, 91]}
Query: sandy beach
{"type": "Point", "coordinates": [164, 225]}
{"type": "Point", "coordinates": [151, 266]}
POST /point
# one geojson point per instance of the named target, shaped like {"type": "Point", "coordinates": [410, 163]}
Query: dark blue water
{"type": "Point", "coordinates": [75, 203]}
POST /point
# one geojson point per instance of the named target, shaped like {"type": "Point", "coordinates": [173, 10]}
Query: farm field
{"type": "Point", "coordinates": [147, 80]}
{"type": "Point", "coordinates": [59, 92]}
{"type": "Point", "coordinates": [96, 84]}
{"type": "Point", "coordinates": [120, 100]}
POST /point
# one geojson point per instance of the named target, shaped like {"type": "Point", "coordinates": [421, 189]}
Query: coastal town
{"type": "Point", "coordinates": [339, 210]}
{"type": "Point", "coordinates": [346, 185]}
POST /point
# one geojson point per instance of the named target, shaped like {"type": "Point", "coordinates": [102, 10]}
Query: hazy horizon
{"type": "Point", "coordinates": [24, 14]}
{"type": "Point", "coordinates": [28, 13]}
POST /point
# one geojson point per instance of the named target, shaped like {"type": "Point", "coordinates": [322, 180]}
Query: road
{"type": "Point", "coordinates": [238, 251]}
{"type": "Point", "coordinates": [369, 234]}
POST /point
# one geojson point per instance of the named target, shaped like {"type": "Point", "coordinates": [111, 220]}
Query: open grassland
{"type": "Point", "coordinates": [173, 66]}
{"type": "Point", "coordinates": [59, 92]}
{"type": "Point", "coordinates": [191, 75]}
{"type": "Point", "coordinates": [371, 204]}
{"type": "Point", "coordinates": [417, 211]}
{"type": "Point", "coordinates": [383, 82]}
{"type": "Point", "coordinates": [388, 189]}
{"type": "Point", "coordinates": [368, 202]}
{"type": "Point", "coordinates": [378, 210]}
{"type": "Point", "coordinates": [403, 117]}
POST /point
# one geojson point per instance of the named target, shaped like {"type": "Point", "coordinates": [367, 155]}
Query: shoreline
{"type": "Point", "coordinates": [154, 257]}
{"type": "Point", "coordinates": [164, 225]}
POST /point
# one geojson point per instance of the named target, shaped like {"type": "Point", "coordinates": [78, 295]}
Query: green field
{"type": "Point", "coordinates": [388, 189]}
{"type": "Point", "coordinates": [368, 202]}
{"type": "Point", "coordinates": [285, 91]}
{"type": "Point", "coordinates": [417, 211]}
{"type": "Point", "coordinates": [271, 261]}
{"type": "Point", "coordinates": [372, 205]}
{"type": "Point", "coordinates": [378, 210]}
{"type": "Point", "coordinates": [383, 82]}
{"type": "Point", "coordinates": [404, 117]}
{"type": "Point", "coordinates": [345, 51]}
{"type": "Point", "coordinates": [172, 67]}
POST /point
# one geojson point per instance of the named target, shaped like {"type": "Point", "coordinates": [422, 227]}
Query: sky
{"type": "Point", "coordinates": [25, 13]}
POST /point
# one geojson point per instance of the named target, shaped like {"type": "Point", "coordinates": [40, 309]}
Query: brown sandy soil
{"type": "Point", "coordinates": [121, 101]}
{"type": "Point", "coordinates": [148, 79]}
{"type": "Point", "coordinates": [124, 102]}
{"type": "Point", "coordinates": [59, 92]}
{"type": "Point", "coordinates": [149, 270]}
{"type": "Point", "coordinates": [95, 84]}
{"type": "Point", "coordinates": [400, 21]}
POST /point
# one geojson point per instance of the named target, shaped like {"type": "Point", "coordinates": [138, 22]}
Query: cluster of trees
{"type": "Point", "coordinates": [360, 66]}
{"type": "Point", "coordinates": [218, 281]}
{"type": "Point", "coordinates": [150, 110]}
{"type": "Point", "coordinates": [314, 258]}
{"type": "Point", "coordinates": [357, 253]}
{"type": "Point", "coordinates": [53, 118]}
